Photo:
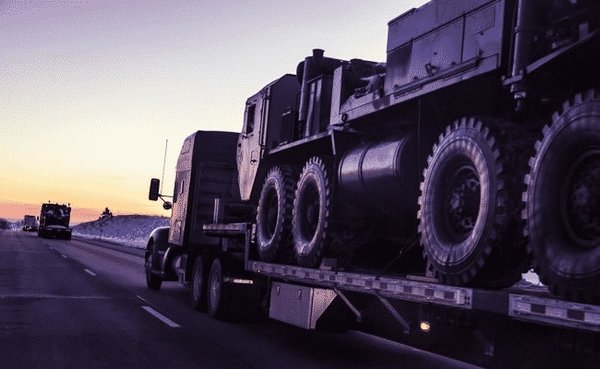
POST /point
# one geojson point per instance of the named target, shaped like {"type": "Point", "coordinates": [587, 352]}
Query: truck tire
{"type": "Point", "coordinates": [227, 299]}
{"type": "Point", "coordinates": [562, 201]}
{"type": "Point", "coordinates": [311, 216]}
{"type": "Point", "coordinates": [469, 222]}
{"type": "Point", "coordinates": [274, 216]}
{"type": "Point", "coordinates": [153, 281]}
{"type": "Point", "coordinates": [220, 299]}
{"type": "Point", "coordinates": [199, 277]}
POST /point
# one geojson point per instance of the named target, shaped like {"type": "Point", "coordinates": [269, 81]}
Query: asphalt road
{"type": "Point", "coordinates": [75, 304]}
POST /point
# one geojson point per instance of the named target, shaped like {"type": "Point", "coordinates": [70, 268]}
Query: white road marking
{"type": "Point", "coordinates": [64, 256]}
{"type": "Point", "coordinates": [143, 299]}
{"type": "Point", "coordinates": [48, 296]}
{"type": "Point", "coordinates": [51, 248]}
{"type": "Point", "coordinates": [90, 272]}
{"type": "Point", "coordinates": [161, 317]}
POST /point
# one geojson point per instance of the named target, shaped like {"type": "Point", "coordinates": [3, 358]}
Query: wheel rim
{"type": "Point", "coordinates": [214, 291]}
{"type": "Point", "coordinates": [461, 201]}
{"type": "Point", "coordinates": [580, 200]}
{"type": "Point", "coordinates": [196, 286]}
{"type": "Point", "coordinates": [148, 266]}
{"type": "Point", "coordinates": [271, 213]}
{"type": "Point", "coordinates": [309, 213]}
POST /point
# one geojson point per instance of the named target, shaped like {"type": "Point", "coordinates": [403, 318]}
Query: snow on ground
{"type": "Point", "coordinates": [127, 230]}
{"type": "Point", "coordinates": [133, 231]}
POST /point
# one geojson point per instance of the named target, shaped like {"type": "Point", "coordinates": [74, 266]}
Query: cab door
{"type": "Point", "coordinates": [250, 145]}
{"type": "Point", "coordinates": [181, 192]}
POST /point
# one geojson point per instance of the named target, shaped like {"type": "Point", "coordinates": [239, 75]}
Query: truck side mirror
{"type": "Point", "coordinates": [154, 186]}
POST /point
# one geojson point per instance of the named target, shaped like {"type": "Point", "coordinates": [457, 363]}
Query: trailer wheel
{"type": "Point", "coordinates": [153, 281]}
{"type": "Point", "coordinates": [311, 217]}
{"type": "Point", "coordinates": [198, 290]}
{"type": "Point", "coordinates": [220, 295]}
{"type": "Point", "coordinates": [274, 216]}
{"type": "Point", "coordinates": [470, 203]}
{"type": "Point", "coordinates": [563, 201]}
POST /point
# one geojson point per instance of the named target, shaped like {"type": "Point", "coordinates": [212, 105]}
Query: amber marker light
{"type": "Point", "coordinates": [425, 326]}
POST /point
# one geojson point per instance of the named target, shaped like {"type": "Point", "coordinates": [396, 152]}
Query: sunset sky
{"type": "Point", "coordinates": [91, 89]}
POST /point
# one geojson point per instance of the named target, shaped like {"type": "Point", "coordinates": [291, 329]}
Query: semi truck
{"type": "Point", "coordinates": [407, 198]}
{"type": "Point", "coordinates": [54, 221]}
{"type": "Point", "coordinates": [29, 223]}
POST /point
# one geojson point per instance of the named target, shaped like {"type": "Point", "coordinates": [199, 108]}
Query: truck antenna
{"type": "Point", "coordinates": [162, 178]}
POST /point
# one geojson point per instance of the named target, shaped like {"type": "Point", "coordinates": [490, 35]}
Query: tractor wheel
{"type": "Point", "coordinates": [153, 281]}
{"type": "Point", "coordinates": [311, 219]}
{"type": "Point", "coordinates": [274, 216]}
{"type": "Point", "coordinates": [199, 276]}
{"type": "Point", "coordinates": [470, 203]}
{"type": "Point", "coordinates": [563, 201]}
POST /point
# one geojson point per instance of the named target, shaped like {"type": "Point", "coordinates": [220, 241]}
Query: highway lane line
{"type": "Point", "coordinates": [143, 299]}
{"type": "Point", "coordinates": [90, 272]}
{"type": "Point", "coordinates": [49, 296]}
{"type": "Point", "coordinates": [161, 317]}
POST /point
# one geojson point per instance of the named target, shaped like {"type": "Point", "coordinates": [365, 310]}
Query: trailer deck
{"type": "Point", "coordinates": [521, 302]}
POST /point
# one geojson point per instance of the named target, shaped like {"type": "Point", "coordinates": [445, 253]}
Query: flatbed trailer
{"type": "Point", "coordinates": [406, 198]}
{"type": "Point", "coordinates": [520, 326]}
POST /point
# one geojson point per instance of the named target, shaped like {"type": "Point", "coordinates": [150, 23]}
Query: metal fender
{"type": "Point", "coordinates": [159, 238]}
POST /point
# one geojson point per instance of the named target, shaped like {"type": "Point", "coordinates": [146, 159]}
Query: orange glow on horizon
{"type": "Point", "coordinates": [16, 211]}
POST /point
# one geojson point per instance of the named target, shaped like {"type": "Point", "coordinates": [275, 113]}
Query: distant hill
{"type": "Point", "coordinates": [128, 230]}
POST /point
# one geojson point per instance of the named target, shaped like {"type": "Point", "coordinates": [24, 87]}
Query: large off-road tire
{"type": "Point", "coordinates": [311, 216]}
{"type": "Point", "coordinates": [563, 201]}
{"type": "Point", "coordinates": [469, 220]}
{"type": "Point", "coordinates": [199, 282]}
{"type": "Point", "coordinates": [274, 216]}
{"type": "Point", "coordinates": [153, 281]}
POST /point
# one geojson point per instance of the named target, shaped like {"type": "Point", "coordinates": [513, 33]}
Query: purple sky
{"type": "Point", "coordinates": [90, 90]}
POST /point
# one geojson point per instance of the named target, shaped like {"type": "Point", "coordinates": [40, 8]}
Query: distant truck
{"type": "Point", "coordinates": [54, 221]}
{"type": "Point", "coordinates": [30, 223]}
